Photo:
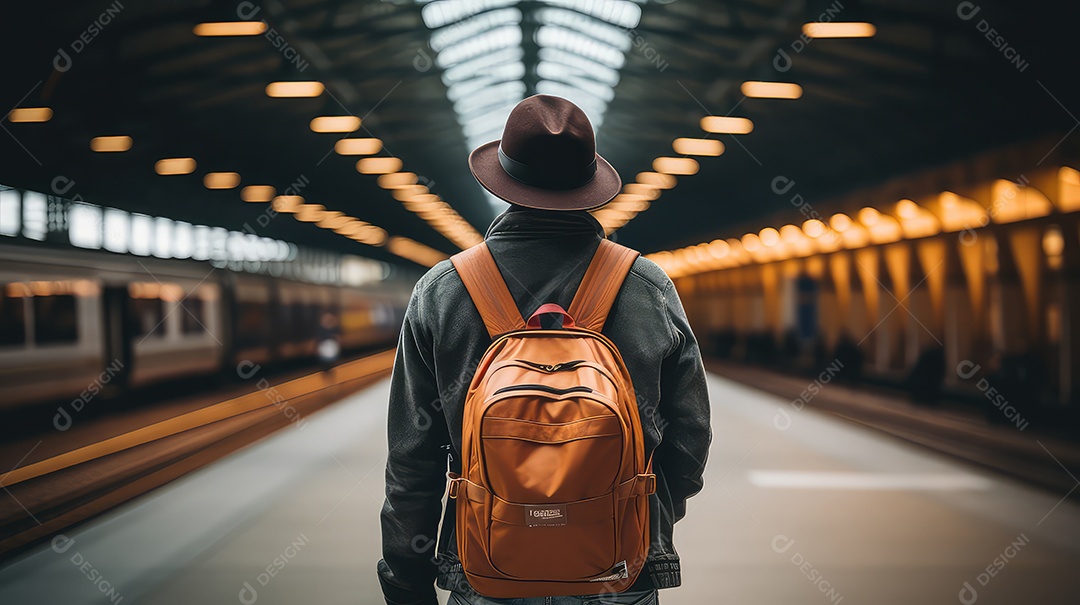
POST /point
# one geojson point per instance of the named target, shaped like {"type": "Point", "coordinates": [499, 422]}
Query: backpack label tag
{"type": "Point", "coordinates": [545, 515]}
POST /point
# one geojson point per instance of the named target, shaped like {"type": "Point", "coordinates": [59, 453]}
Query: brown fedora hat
{"type": "Point", "coordinates": [546, 159]}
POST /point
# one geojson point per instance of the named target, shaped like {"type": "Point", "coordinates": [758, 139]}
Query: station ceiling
{"type": "Point", "coordinates": [938, 81]}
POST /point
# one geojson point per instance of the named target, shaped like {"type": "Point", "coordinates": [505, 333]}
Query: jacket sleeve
{"type": "Point", "coordinates": [415, 468]}
{"type": "Point", "coordinates": [683, 410]}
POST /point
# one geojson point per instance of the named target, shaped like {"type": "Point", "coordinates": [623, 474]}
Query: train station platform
{"type": "Point", "coordinates": [819, 511]}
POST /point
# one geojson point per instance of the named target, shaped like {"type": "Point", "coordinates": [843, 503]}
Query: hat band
{"type": "Point", "coordinates": [545, 179]}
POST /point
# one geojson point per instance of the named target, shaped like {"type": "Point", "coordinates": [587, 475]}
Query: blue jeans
{"type": "Point", "coordinates": [648, 597]}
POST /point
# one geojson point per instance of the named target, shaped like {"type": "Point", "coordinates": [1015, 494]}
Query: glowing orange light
{"type": "Point", "coordinates": [221, 180]}
{"type": "Point", "coordinates": [771, 90]}
{"type": "Point", "coordinates": [230, 28]}
{"type": "Point", "coordinates": [294, 89]}
{"type": "Point", "coordinates": [907, 209]}
{"type": "Point", "coordinates": [726, 125]}
{"type": "Point", "coordinates": [415, 251]}
{"type": "Point", "coordinates": [704, 147]}
{"type": "Point", "coordinates": [657, 179]}
{"type": "Point", "coordinates": [719, 249]}
{"type": "Point", "coordinates": [30, 114]}
{"type": "Point", "coordinates": [769, 237]}
{"type": "Point", "coordinates": [814, 228]}
{"type": "Point", "coordinates": [394, 180]}
{"type": "Point", "coordinates": [408, 192]}
{"type": "Point", "coordinates": [751, 242]}
{"type": "Point", "coordinates": [869, 216]}
{"type": "Point", "coordinates": [111, 144]}
{"type": "Point", "coordinates": [335, 124]}
{"type": "Point", "coordinates": [257, 193]}
{"type": "Point", "coordinates": [835, 29]}
{"type": "Point", "coordinates": [647, 192]}
{"type": "Point", "coordinates": [170, 166]}
{"type": "Point", "coordinates": [358, 146]}
{"type": "Point", "coordinates": [378, 165]}
{"type": "Point", "coordinates": [287, 203]}
{"type": "Point", "coordinates": [681, 166]}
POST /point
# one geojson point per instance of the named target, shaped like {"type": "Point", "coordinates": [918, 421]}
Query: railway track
{"type": "Point", "coordinates": [47, 496]}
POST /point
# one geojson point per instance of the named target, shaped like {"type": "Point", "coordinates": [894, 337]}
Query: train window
{"type": "Point", "coordinates": [9, 212]}
{"type": "Point", "coordinates": [55, 321]}
{"type": "Point", "coordinates": [148, 316]}
{"type": "Point", "coordinates": [194, 315]}
{"type": "Point", "coordinates": [12, 319]}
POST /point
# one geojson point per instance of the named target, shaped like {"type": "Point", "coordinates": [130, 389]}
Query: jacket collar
{"type": "Point", "coordinates": [518, 222]}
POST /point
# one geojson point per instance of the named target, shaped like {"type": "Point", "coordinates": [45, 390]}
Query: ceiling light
{"type": "Point", "coordinates": [907, 209]}
{"type": "Point", "coordinates": [337, 222]}
{"type": "Point", "coordinates": [840, 222]}
{"type": "Point", "coordinates": [629, 202]}
{"type": "Point", "coordinates": [335, 124]}
{"type": "Point", "coordinates": [111, 144]}
{"type": "Point", "coordinates": [294, 89]}
{"type": "Point", "coordinates": [814, 228]}
{"type": "Point", "coordinates": [769, 236]}
{"type": "Point", "coordinates": [751, 242]}
{"type": "Point", "coordinates": [415, 251]}
{"type": "Point", "coordinates": [839, 30]}
{"type": "Point", "coordinates": [221, 180]}
{"type": "Point", "coordinates": [707, 147]}
{"type": "Point", "coordinates": [656, 179]}
{"type": "Point", "coordinates": [175, 166]}
{"type": "Point", "coordinates": [310, 213]}
{"type": "Point", "coordinates": [421, 200]}
{"type": "Point", "coordinates": [372, 236]}
{"type": "Point", "coordinates": [408, 192]}
{"type": "Point", "coordinates": [332, 218]}
{"type": "Point", "coordinates": [683, 166]}
{"type": "Point", "coordinates": [30, 114]}
{"type": "Point", "coordinates": [648, 192]}
{"type": "Point", "coordinates": [231, 28]}
{"type": "Point", "coordinates": [771, 90]}
{"type": "Point", "coordinates": [719, 248]}
{"type": "Point", "coordinates": [257, 193]}
{"type": "Point", "coordinates": [378, 165]}
{"type": "Point", "coordinates": [287, 203]}
{"type": "Point", "coordinates": [358, 146]}
{"type": "Point", "coordinates": [350, 227]}
{"type": "Point", "coordinates": [394, 180]}
{"type": "Point", "coordinates": [869, 216]}
{"type": "Point", "coordinates": [726, 125]}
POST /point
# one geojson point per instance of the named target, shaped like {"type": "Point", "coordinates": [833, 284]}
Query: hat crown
{"type": "Point", "coordinates": [550, 135]}
{"type": "Point", "coordinates": [546, 159]}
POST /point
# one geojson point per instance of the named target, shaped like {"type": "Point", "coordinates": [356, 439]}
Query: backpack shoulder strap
{"type": "Point", "coordinates": [601, 284]}
{"type": "Point", "coordinates": [488, 291]}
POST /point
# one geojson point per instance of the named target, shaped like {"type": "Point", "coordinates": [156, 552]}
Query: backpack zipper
{"type": "Point", "coordinates": [566, 365]}
{"type": "Point", "coordinates": [545, 388]}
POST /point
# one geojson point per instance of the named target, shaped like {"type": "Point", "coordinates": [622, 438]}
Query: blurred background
{"type": "Point", "coordinates": [212, 214]}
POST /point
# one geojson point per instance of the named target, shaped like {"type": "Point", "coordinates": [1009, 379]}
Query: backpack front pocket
{"type": "Point", "coordinates": [532, 461]}
{"type": "Point", "coordinates": [529, 542]}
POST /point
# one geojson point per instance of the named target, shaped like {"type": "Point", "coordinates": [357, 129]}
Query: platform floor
{"type": "Point", "coordinates": [820, 512]}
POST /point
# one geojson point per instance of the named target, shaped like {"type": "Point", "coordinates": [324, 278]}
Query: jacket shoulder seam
{"type": "Point", "coordinates": [663, 292]}
{"type": "Point", "coordinates": [431, 282]}
{"type": "Point", "coordinates": [645, 279]}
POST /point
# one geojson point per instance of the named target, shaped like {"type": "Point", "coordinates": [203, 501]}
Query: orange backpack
{"type": "Point", "coordinates": [552, 499]}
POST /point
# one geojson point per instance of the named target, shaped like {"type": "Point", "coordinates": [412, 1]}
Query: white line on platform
{"type": "Point", "coordinates": [866, 481]}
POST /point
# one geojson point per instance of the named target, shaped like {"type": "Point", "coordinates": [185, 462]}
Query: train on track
{"type": "Point", "coordinates": [75, 323]}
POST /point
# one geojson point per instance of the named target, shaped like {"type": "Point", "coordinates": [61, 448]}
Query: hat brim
{"type": "Point", "coordinates": [485, 166]}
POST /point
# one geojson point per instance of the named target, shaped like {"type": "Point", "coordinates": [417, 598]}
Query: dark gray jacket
{"type": "Point", "coordinates": [542, 256]}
